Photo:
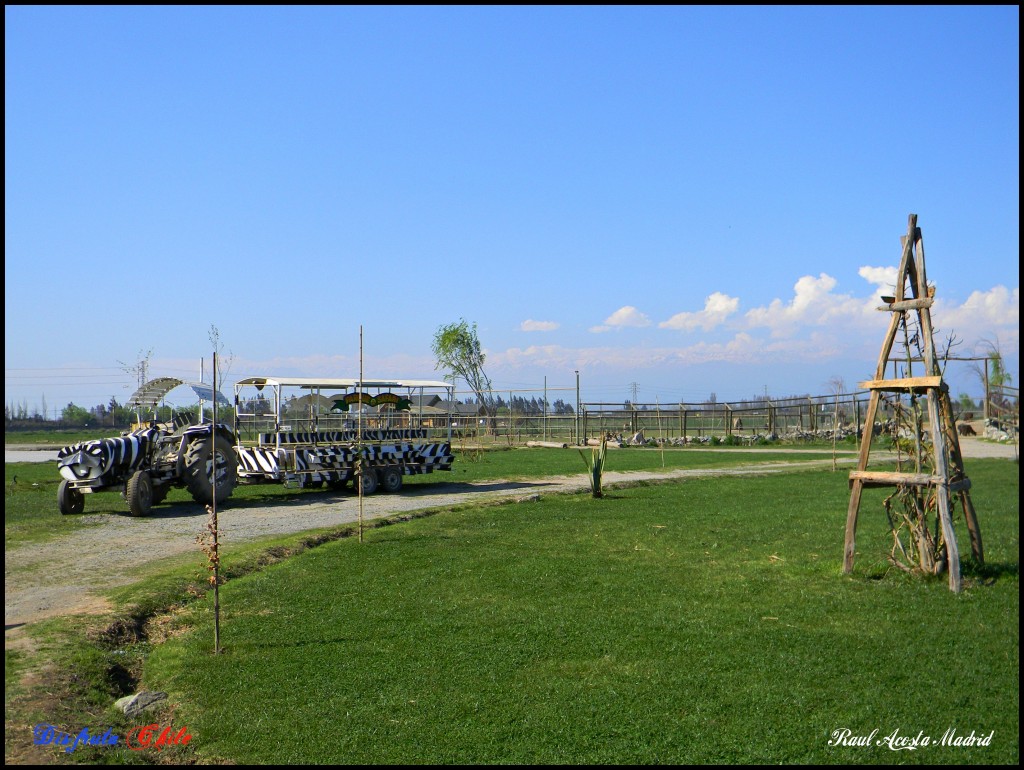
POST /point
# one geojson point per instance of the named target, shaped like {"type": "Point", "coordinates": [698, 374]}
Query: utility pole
{"type": "Point", "coordinates": [576, 416]}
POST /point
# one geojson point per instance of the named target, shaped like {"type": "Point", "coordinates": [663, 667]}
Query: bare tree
{"type": "Point", "coordinates": [224, 362]}
{"type": "Point", "coordinates": [140, 369]}
{"type": "Point", "coordinates": [838, 386]}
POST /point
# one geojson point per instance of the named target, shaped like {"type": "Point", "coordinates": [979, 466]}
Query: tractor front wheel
{"type": "Point", "coordinates": [140, 493]}
{"type": "Point", "coordinates": [69, 500]}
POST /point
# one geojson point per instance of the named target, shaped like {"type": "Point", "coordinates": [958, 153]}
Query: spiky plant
{"type": "Point", "coordinates": [595, 465]}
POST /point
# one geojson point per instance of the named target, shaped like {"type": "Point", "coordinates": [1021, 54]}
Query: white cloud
{"type": "Point", "coordinates": [985, 315]}
{"type": "Point", "coordinates": [996, 307]}
{"type": "Point", "coordinates": [743, 348]}
{"type": "Point", "coordinates": [814, 304]}
{"type": "Point", "coordinates": [717, 307]}
{"type": "Point", "coordinates": [627, 316]}
{"type": "Point", "coordinates": [529, 325]}
{"type": "Point", "coordinates": [816, 326]}
{"type": "Point", "coordinates": [884, 278]}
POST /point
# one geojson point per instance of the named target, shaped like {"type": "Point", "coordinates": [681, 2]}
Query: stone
{"type": "Point", "coordinates": [133, 705]}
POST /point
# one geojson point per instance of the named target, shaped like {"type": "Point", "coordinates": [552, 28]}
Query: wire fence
{"type": "Point", "coordinates": [518, 417]}
{"type": "Point", "coordinates": [517, 421]}
{"type": "Point", "coordinates": [508, 421]}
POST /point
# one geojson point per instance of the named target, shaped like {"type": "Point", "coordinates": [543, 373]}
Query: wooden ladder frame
{"type": "Point", "coordinates": [947, 477]}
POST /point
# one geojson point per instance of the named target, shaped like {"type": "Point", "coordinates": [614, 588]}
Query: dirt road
{"type": "Point", "coordinates": [66, 575]}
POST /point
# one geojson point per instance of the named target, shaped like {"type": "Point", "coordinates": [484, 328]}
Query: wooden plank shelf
{"type": "Point", "coordinates": [915, 384]}
{"type": "Point", "coordinates": [907, 304]}
{"type": "Point", "coordinates": [895, 479]}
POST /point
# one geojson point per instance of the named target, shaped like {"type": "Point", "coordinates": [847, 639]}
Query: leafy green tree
{"type": "Point", "coordinates": [993, 375]}
{"type": "Point", "coordinates": [74, 415]}
{"type": "Point", "coordinates": [457, 349]}
{"type": "Point", "coordinates": [998, 377]}
{"type": "Point", "coordinates": [966, 403]}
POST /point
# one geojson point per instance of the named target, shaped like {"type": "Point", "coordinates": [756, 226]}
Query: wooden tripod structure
{"type": "Point", "coordinates": [938, 477]}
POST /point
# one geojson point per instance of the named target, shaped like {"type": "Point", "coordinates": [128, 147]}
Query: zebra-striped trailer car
{"type": "Point", "coordinates": [313, 432]}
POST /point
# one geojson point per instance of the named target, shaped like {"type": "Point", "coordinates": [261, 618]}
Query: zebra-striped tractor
{"type": "Point", "coordinates": [145, 462]}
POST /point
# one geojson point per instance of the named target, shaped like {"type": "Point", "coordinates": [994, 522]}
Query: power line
{"type": "Point", "coordinates": [60, 368]}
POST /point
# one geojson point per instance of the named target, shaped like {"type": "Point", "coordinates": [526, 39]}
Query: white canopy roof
{"type": "Point", "coordinates": [152, 392]}
{"type": "Point", "coordinates": [339, 384]}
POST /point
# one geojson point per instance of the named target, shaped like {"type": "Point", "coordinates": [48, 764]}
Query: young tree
{"type": "Point", "coordinates": [457, 349]}
{"type": "Point", "coordinates": [992, 373]}
{"type": "Point", "coordinates": [224, 362]}
{"type": "Point", "coordinates": [966, 404]}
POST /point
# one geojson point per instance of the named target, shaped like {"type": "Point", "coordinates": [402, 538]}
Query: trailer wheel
{"type": "Point", "coordinates": [140, 493]}
{"type": "Point", "coordinates": [391, 479]}
{"type": "Point", "coordinates": [206, 458]}
{"type": "Point", "coordinates": [368, 481]}
{"type": "Point", "coordinates": [69, 500]}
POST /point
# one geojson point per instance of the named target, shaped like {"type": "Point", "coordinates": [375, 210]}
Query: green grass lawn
{"type": "Point", "coordinates": [525, 463]}
{"type": "Point", "coordinates": [696, 622]}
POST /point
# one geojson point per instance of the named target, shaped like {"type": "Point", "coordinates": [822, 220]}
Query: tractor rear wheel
{"type": "Point", "coordinates": [160, 492]}
{"type": "Point", "coordinates": [210, 464]}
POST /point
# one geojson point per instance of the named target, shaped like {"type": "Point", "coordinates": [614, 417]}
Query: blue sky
{"type": "Point", "coordinates": [680, 200]}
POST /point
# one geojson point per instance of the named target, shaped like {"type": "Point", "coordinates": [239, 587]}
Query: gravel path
{"type": "Point", "coordinates": [64, 576]}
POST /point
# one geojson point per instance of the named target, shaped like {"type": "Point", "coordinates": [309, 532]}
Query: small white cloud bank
{"type": "Point", "coordinates": [624, 317]}
{"type": "Point", "coordinates": [529, 325]}
{"type": "Point", "coordinates": [717, 308]}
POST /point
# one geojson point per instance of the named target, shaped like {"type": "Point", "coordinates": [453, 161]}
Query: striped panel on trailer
{"type": "Point", "coordinates": [436, 457]}
{"type": "Point", "coordinates": [258, 461]}
{"type": "Point", "coordinates": [324, 458]}
{"type": "Point", "coordinates": [342, 437]}
{"type": "Point", "coordinates": [319, 464]}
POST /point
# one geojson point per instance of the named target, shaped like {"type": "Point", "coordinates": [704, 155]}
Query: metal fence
{"type": "Point", "coordinates": [802, 417]}
{"type": "Point", "coordinates": [516, 419]}
{"type": "Point", "coordinates": [1002, 407]}
{"type": "Point", "coordinates": [513, 419]}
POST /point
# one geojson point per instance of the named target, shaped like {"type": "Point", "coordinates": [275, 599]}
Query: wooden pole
{"type": "Point", "coordinates": [213, 514]}
{"type": "Point", "coordinates": [661, 435]}
{"type": "Point", "coordinates": [361, 460]}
